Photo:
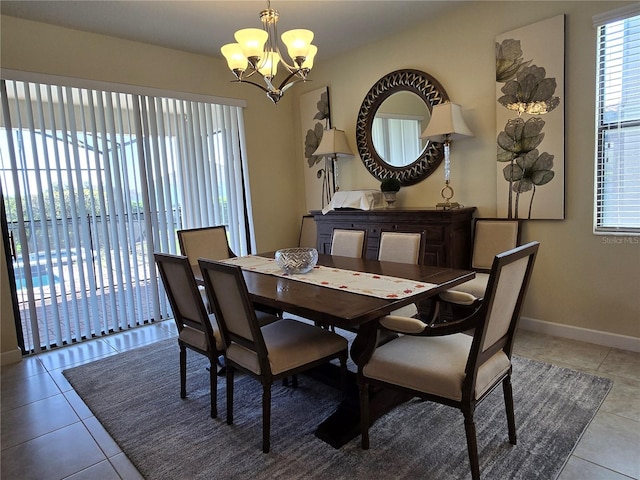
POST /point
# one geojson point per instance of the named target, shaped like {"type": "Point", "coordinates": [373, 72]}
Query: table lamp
{"type": "Point", "coordinates": [333, 144]}
{"type": "Point", "coordinates": [446, 124]}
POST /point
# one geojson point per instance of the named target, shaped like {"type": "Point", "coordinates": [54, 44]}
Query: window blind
{"type": "Point", "coordinates": [617, 176]}
{"type": "Point", "coordinates": [94, 182]}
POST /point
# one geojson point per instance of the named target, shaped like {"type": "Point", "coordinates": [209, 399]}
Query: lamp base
{"type": "Point", "coordinates": [447, 194]}
{"type": "Point", "coordinates": [448, 205]}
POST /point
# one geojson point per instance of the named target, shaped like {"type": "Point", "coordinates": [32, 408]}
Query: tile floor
{"type": "Point", "coordinates": [48, 433]}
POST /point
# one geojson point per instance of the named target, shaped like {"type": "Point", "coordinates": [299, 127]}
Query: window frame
{"type": "Point", "coordinates": [604, 126]}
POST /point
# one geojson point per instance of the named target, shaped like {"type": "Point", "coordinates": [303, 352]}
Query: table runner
{"type": "Point", "coordinates": [371, 284]}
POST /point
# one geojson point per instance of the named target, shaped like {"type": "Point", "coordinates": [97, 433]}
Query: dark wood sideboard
{"type": "Point", "coordinates": [448, 232]}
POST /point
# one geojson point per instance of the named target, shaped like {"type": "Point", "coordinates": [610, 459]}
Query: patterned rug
{"type": "Point", "coordinates": [135, 395]}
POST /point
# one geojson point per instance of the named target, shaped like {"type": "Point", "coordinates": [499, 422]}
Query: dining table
{"type": "Point", "coordinates": [343, 308]}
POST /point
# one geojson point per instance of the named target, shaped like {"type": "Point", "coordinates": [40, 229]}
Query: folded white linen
{"type": "Point", "coordinates": [359, 199]}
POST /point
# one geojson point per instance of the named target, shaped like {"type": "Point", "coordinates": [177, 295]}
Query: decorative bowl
{"type": "Point", "coordinates": [297, 260]}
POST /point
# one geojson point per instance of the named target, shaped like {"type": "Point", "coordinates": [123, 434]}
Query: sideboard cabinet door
{"type": "Point", "coordinates": [448, 232]}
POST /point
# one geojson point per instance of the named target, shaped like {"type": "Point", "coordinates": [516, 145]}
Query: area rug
{"type": "Point", "coordinates": [135, 395]}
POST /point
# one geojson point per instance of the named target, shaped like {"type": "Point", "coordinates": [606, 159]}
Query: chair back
{"type": "Point", "coordinates": [500, 310]}
{"type": "Point", "coordinates": [186, 301]}
{"type": "Point", "coordinates": [233, 308]}
{"type": "Point", "coordinates": [491, 237]}
{"type": "Point", "coordinates": [206, 242]}
{"type": "Point", "coordinates": [308, 232]}
{"type": "Point", "coordinates": [401, 247]}
{"type": "Point", "coordinates": [348, 243]}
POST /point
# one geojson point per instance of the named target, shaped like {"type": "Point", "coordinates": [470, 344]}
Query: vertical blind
{"type": "Point", "coordinates": [617, 178]}
{"type": "Point", "coordinates": [94, 182]}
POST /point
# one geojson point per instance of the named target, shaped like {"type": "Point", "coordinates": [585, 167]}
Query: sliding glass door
{"type": "Point", "coordinates": [94, 182]}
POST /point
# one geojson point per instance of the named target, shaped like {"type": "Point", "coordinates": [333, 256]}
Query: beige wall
{"type": "Point", "coordinates": [581, 280]}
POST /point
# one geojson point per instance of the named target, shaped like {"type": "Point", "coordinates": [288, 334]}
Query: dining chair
{"type": "Point", "coordinates": [491, 236]}
{"type": "Point", "coordinates": [308, 232]}
{"type": "Point", "coordinates": [402, 247]}
{"type": "Point", "coordinates": [206, 242]}
{"type": "Point", "coordinates": [348, 242]}
{"type": "Point", "coordinates": [197, 330]}
{"type": "Point", "coordinates": [280, 349]}
{"type": "Point", "coordinates": [211, 243]}
{"type": "Point", "coordinates": [440, 363]}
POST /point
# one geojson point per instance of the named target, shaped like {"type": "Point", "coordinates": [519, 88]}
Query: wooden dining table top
{"type": "Point", "coordinates": [343, 308]}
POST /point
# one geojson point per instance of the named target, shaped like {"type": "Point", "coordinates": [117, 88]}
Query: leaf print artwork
{"type": "Point", "coordinates": [531, 92]}
{"type": "Point", "coordinates": [509, 60]}
{"type": "Point", "coordinates": [311, 142]}
{"type": "Point", "coordinates": [526, 90]}
{"type": "Point", "coordinates": [323, 107]}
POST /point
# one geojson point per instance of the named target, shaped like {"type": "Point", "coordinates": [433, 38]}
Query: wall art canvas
{"type": "Point", "coordinates": [315, 118]}
{"type": "Point", "coordinates": [530, 121]}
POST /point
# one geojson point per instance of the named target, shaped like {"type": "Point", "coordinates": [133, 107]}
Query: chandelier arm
{"type": "Point", "coordinates": [283, 86]}
{"type": "Point", "coordinates": [293, 69]}
{"type": "Point", "coordinates": [249, 82]}
{"type": "Point", "coordinates": [250, 74]}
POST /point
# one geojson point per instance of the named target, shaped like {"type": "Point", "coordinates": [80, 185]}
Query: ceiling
{"type": "Point", "coordinates": [204, 26]}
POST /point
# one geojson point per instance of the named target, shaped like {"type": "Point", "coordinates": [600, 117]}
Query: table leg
{"type": "Point", "coordinates": [343, 424]}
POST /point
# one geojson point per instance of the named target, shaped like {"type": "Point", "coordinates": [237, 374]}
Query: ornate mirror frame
{"type": "Point", "coordinates": [429, 90]}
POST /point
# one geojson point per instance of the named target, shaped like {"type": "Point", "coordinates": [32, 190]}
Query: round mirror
{"type": "Point", "coordinates": [397, 126]}
{"type": "Point", "coordinates": [394, 113]}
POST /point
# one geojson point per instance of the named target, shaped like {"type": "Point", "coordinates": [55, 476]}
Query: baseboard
{"type": "Point", "coordinates": [13, 356]}
{"type": "Point", "coordinates": [597, 337]}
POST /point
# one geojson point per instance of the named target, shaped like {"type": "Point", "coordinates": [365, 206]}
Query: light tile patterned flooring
{"type": "Point", "coordinates": [47, 432]}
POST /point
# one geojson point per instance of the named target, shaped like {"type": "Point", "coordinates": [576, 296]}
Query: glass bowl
{"type": "Point", "coordinates": [297, 260]}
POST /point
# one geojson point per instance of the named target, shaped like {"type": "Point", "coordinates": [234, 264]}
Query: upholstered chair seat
{"type": "Point", "coordinates": [290, 344]}
{"type": "Point", "coordinates": [468, 292]}
{"type": "Point", "coordinates": [433, 365]}
{"type": "Point", "coordinates": [442, 363]}
{"type": "Point", "coordinates": [198, 338]}
{"type": "Point", "coordinates": [267, 353]}
{"type": "Point", "coordinates": [491, 236]}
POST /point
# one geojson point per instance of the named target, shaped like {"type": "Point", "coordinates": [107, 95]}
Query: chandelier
{"type": "Point", "coordinates": [257, 52]}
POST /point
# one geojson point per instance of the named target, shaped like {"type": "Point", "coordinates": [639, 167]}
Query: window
{"type": "Point", "coordinates": [94, 182]}
{"type": "Point", "coordinates": [617, 179]}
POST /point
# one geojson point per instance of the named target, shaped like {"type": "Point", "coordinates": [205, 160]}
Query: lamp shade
{"type": "Point", "coordinates": [297, 42]}
{"type": "Point", "coordinates": [235, 58]}
{"type": "Point", "coordinates": [251, 41]}
{"type": "Point", "coordinates": [269, 67]}
{"type": "Point", "coordinates": [311, 54]}
{"type": "Point", "coordinates": [446, 119]}
{"type": "Point", "coordinates": [334, 142]}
